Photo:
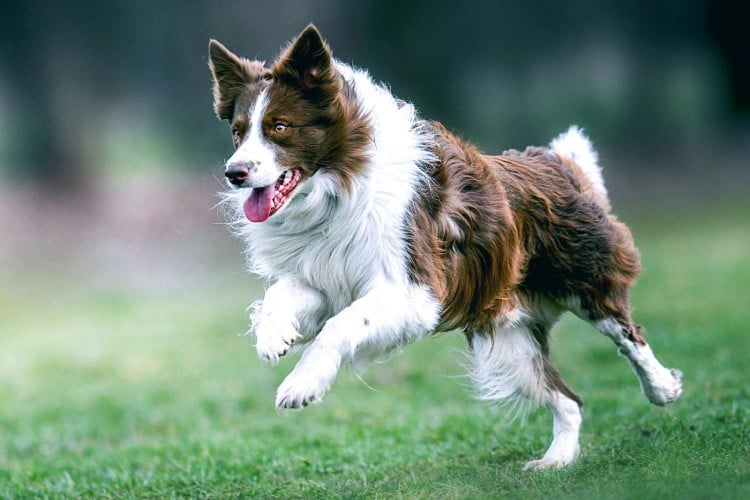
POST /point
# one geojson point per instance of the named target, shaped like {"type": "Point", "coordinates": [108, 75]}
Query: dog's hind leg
{"type": "Point", "coordinates": [660, 385]}
{"type": "Point", "coordinates": [610, 315]}
{"type": "Point", "coordinates": [512, 366]}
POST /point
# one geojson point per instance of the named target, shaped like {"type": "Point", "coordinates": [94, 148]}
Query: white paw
{"type": "Point", "coordinates": [309, 381]}
{"type": "Point", "coordinates": [563, 451]}
{"type": "Point", "coordinates": [664, 388]}
{"type": "Point", "coordinates": [274, 339]}
{"type": "Point", "coordinates": [545, 463]}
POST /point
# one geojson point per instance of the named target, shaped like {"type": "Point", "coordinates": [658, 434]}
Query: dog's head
{"type": "Point", "coordinates": [288, 122]}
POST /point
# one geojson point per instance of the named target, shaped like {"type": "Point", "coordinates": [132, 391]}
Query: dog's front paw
{"type": "Point", "coordinates": [309, 381]}
{"type": "Point", "coordinates": [275, 339]}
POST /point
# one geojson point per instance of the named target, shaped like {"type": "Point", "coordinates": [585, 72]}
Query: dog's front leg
{"type": "Point", "coordinates": [390, 315]}
{"type": "Point", "coordinates": [278, 321]}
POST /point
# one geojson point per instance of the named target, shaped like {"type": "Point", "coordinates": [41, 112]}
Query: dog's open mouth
{"type": "Point", "coordinates": [264, 202]}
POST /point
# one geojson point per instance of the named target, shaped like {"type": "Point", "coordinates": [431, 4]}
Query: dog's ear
{"type": "Point", "coordinates": [307, 62]}
{"type": "Point", "coordinates": [231, 76]}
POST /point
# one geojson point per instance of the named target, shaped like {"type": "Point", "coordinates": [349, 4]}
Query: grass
{"type": "Point", "coordinates": [111, 393]}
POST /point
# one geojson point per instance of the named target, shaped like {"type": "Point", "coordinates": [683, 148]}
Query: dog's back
{"type": "Point", "coordinates": [575, 248]}
{"type": "Point", "coordinates": [491, 233]}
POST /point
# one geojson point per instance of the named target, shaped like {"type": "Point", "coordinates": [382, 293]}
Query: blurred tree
{"type": "Point", "coordinates": [728, 24]}
{"type": "Point", "coordinates": [47, 150]}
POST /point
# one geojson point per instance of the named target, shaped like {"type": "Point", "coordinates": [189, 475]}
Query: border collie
{"type": "Point", "coordinates": [376, 228]}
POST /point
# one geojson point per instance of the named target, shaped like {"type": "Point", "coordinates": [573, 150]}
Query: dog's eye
{"type": "Point", "coordinates": [280, 128]}
{"type": "Point", "coordinates": [236, 136]}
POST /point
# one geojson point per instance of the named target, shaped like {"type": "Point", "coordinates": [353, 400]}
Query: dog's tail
{"type": "Point", "coordinates": [574, 145]}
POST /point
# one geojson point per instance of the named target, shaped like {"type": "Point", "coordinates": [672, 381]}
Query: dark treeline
{"type": "Point", "coordinates": [75, 75]}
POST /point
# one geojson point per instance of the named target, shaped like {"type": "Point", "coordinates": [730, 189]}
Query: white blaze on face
{"type": "Point", "coordinates": [255, 151]}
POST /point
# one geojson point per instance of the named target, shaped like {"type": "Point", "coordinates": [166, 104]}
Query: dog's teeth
{"type": "Point", "coordinates": [287, 176]}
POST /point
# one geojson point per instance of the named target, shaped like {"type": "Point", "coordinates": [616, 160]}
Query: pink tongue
{"type": "Point", "coordinates": [258, 206]}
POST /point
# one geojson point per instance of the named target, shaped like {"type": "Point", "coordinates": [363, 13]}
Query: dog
{"type": "Point", "coordinates": [376, 228]}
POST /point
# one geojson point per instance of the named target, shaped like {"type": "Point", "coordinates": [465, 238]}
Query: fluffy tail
{"type": "Point", "coordinates": [574, 144]}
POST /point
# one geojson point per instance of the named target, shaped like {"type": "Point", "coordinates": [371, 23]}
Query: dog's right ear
{"type": "Point", "coordinates": [231, 77]}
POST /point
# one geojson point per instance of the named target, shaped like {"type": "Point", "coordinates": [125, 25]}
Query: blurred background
{"type": "Point", "coordinates": [110, 154]}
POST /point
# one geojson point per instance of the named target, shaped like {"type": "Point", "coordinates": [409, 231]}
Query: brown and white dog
{"type": "Point", "coordinates": [377, 228]}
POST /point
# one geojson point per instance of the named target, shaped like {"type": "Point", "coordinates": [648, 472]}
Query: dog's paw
{"type": "Point", "coordinates": [665, 388]}
{"type": "Point", "coordinates": [274, 339]}
{"type": "Point", "coordinates": [563, 451]}
{"type": "Point", "coordinates": [545, 463]}
{"type": "Point", "coordinates": [308, 382]}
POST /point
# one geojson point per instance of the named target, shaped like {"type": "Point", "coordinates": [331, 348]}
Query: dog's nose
{"type": "Point", "coordinates": [237, 173]}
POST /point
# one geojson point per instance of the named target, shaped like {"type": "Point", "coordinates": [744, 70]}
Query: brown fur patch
{"type": "Point", "coordinates": [491, 231]}
{"type": "Point", "coordinates": [463, 236]}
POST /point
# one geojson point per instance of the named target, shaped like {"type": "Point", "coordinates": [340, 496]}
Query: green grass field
{"type": "Point", "coordinates": [111, 393]}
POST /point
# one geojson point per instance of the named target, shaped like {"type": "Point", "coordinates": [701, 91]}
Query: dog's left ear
{"type": "Point", "coordinates": [307, 62]}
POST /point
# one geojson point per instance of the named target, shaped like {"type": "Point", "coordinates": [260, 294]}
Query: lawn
{"type": "Point", "coordinates": [109, 392]}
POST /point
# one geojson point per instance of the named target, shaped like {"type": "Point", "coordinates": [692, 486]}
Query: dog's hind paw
{"type": "Point", "coordinates": [563, 451]}
{"type": "Point", "coordinates": [665, 389]}
{"type": "Point", "coordinates": [544, 463]}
